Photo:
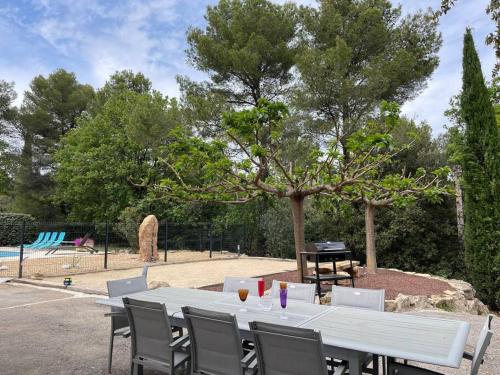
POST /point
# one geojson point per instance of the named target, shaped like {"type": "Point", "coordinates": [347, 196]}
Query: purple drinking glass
{"type": "Point", "coordinates": [283, 297]}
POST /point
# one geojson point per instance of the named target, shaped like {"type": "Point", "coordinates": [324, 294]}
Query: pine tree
{"type": "Point", "coordinates": [481, 174]}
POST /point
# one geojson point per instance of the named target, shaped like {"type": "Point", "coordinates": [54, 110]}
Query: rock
{"type": "Point", "coordinates": [390, 305]}
{"type": "Point", "coordinates": [402, 302]}
{"type": "Point", "coordinates": [158, 284]}
{"type": "Point", "coordinates": [419, 302]}
{"type": "Point", "coordinates": [148, 239]}
{"type": "Point", "coordinates": [37, 276]}
{"type": "Point", "coordinates": [326, 299]}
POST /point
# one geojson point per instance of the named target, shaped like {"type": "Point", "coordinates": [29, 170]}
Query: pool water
{"type": "Point", "coordinates": [5, 254]}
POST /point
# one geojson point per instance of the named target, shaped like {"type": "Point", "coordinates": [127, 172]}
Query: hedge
{"type": "Point", "coordinates": [10, 229]}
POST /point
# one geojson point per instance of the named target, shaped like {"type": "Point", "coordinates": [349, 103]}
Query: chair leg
{"type": "Point", "coordinates": [375, 364]}
{"type": "Point", "coordinates": [110, 353]}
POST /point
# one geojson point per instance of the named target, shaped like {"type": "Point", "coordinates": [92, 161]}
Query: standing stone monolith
{"type": "Point", "coordinates": [148, 239]}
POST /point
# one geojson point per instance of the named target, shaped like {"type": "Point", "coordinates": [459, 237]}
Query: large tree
{"type": "Point", "coordinates": [105, 163]}
{"type": "Point", "coordinates": [49, 110]}
{"type": "Point", "coordinates": [247, 49]}
{"type": "Point", "coordinates": [7, 157]}
{"type": "Point", "coordinates": [231, 167]}
{"type": "Point", "coordinates": [389, 186]}
{"type": "Point", "coordinates": [481, 178]}
{"type": "Point", "coordinates": [354, 54]}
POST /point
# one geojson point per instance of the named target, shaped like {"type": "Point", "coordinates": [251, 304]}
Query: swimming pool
{"type": "Point", "coordinates": [5, 254]}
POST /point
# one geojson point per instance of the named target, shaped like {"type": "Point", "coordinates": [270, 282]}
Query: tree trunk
{"type": "Point", "coordinates": [298, 228]}
{"type": "Point", "coordinates": [459, 203]}
{"type": "Point", "coordinates": [371, 255]}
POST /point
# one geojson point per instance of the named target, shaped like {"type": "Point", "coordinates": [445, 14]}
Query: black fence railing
{"type": "Point", "coordinates": [36, 249]}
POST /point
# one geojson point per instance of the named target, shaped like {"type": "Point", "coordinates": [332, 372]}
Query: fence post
{"type": "Point", "coordinates": [238, 247]}
{"type": "Point", "coordinates": [106, 245]}
{"type": "Point", "coordinates": [21, 250]}
{"type": "Point", "coordinates": [210, 240]}
{"type": "Point", "coordinates": [166, 241]}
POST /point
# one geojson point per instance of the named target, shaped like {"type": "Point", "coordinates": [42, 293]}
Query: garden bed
{"type": "Point", "coordinates": [393, 282]}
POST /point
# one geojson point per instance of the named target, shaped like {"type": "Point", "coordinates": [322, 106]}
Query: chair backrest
{"type": "Point", "coordinates": [150, 329]}
{"type": "Point", "coordinates": [215, 342]}
{"type": "Point", "coordinates": [117, 288]}
{"type": "Point", "coordinates": [482, 344]}
{"type": "Point", "coordinates": [288, 350]}
{"type": "Point", "coordinates": [296, 291]}
{"type": "Point", "coordinates": [59, 239]}
{"type": "Point", "coordinates": [232, 284]}
{"type": "Point", "coordinates": [49, 238]}
{"type": "Point", "coordinates": [372, 299]}
{"type": "Point", "coordinates": [145, 271]}
{"type": "Point", "coordinates": [39, 239]}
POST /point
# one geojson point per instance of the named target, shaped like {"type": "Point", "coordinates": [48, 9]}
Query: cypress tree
{"type": "Point", "coordinates": [481, 173]}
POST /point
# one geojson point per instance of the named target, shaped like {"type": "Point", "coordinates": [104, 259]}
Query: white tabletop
{"type": "Point", "coordinates": [421, 339]}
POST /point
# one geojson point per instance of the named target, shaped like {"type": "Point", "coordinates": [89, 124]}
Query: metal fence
{"type": "Point", "coordinates": [41, 250]}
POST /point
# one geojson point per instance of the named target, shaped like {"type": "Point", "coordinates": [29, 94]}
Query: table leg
{"type": "Point", "coordinates": [355, 364]}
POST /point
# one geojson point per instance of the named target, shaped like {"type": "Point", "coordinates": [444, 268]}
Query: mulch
{"type": "Point", "coordinates": [392, 281]}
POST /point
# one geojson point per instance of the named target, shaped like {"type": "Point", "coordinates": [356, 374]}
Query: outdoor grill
{"type": "Point", "coordinates": [328, 251]}
{"type": "Point", "coordinates": [322, 252]}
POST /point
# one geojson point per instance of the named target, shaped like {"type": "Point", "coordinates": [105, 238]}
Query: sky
{"type": "Point", "coordinates": [95, 38]}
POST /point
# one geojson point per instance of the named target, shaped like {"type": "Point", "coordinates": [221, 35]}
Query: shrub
{"type": "Point", "coordinates": [11, 226]}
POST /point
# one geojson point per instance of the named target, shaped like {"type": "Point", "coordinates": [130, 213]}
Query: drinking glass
{"type": "Point", "coordinates": [261, 287]}
{"type": "Point", "coordinates": [243, 294]}
{"type": "Point", "coordinates": [283, 297]}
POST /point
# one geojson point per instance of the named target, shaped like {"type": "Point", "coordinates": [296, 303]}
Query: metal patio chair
{"type": "Point", "coordinates": [476, 357]}
{"type": "Point", "coordinates": [119, 320]}
{"type": "Point", "coordinates": [232, 284]}
{"type": "Point", "coordinates": [216, 344]}
{"type": "Point", "coordinates": [296, 291]}
{"type": "Point", "coordinates": [288, 350]}
{"type": "Point", "coordinates": [371, 299]}
{"type": "Point", "coordinates": [153, 345]}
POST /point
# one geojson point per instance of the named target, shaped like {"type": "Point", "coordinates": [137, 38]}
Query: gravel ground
{"type": "Point", "coordinates": [43, 331]}
{"type": "Point", "coordinates": [393, 282]}
{"type": "Point", "coordinates": [186, 275]}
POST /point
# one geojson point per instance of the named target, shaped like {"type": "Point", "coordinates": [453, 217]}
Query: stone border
{"type": "Point", "coordinates": [459, 298]}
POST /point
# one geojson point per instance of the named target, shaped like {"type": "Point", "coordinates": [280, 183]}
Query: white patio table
{"type": "Point", "coordinates": [348, 333]}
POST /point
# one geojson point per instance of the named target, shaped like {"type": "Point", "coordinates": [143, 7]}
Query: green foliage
{"type": "Point", "coordinates": [107, 162]}
{"type": "Point", "coordinates": [247, 47]}
{"type": "Point", "coordinates": [481, 176]}
{"type": "Point", "coordinates": [357, 53]}
{"type": "Point", "coordinates": [11, 228]}
{"type": "Point", "coordinates": [50, 109]}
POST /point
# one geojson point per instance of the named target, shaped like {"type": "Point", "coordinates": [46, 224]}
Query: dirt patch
{"type": "Point", "coordinates": [392, 281]}
{"type": "Point", "coordinates": [185, 274]}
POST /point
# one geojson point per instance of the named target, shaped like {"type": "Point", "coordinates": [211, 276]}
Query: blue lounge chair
{"type": "Point", "coordinates": [41, 237]}
{"type": "Point", "coordinates": [48, 241]}
{"type": "Point", "coordinates": [55, 245]}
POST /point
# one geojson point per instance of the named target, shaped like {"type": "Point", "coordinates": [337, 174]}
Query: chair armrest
{"type": "Point", "coordinates": [247, 360]}
{"type": "Point", "coordinates": [115, 313]}
{"type": "Point", "coordinates": [468, 355]}
{"type": "Point", "coordinates": [181, 342]}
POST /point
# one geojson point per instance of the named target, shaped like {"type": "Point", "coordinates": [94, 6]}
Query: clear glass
{"type": "Point", "coordinates": [267, 303]}
{"type": "Point", "coordinates": [243, 294]}
{"type": "Point", "coordinates": [283, 298]}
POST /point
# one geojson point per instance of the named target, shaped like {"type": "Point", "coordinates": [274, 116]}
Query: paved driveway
{"type": "Point", "coordinates": [46, 331]}
{"type": "Point", "coordinates": [51, 332]}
